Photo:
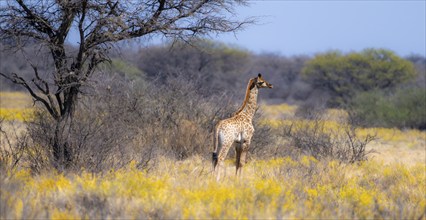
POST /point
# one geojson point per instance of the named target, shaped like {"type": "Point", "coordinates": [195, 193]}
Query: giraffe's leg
{"type": "Point", "coordinates": [243, 156]}
{"type": "Point", "coordinates": [238, 151]}
{"type": "Point", "coordinates": [221, 159]}
{"type": "Point", "coordinates": [242, 161]}
{"type": "Point", "coordinates": [219, 169]}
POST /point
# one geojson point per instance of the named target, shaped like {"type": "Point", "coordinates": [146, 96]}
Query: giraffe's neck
{"type": "Point", "coordinates": [249, 106]}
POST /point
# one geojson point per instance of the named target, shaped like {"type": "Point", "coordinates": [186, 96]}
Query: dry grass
{"type": "Point", "coordinates": [15, 100]}
{"type": "Point", "coordinates": [279, 188]}
{"type": "Point", "coordinates": [15, 106]}
{"type": "Point", "coordinates": [286, 111]}
{"type": "Point", "coordinates": [394, 145]}
{"type": "Point", "coordinates": [281, 111]}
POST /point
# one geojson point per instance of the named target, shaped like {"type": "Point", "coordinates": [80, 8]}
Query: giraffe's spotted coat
{"type": "Point", "coordinates": [237, 130]}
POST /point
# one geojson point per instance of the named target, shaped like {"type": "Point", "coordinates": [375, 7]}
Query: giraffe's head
{"type": "Point", "coordinates": [259, 82]}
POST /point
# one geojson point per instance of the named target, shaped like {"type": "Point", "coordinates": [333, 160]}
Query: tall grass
{"type": "Point", "coordinates": [277, 188]}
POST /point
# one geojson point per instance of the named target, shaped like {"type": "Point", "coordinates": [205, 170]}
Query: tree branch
{"type": "Point", "coordinates": [21, 81]}
{"type": "Point", "coordinates": [67, 19]}
{"type": "Point", "coordinates": [38, 22]}
{"type": "Point", "coordinates": [79, 60]}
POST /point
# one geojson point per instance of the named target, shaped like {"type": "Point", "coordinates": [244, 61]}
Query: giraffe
{"type": "Point", "coordinates": [237, 130]}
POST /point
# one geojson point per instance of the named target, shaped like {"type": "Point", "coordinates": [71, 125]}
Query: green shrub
{"type": "Point", "coordinates": [342, 76]}
{"type": "Point", "coordinates": [403, 108]}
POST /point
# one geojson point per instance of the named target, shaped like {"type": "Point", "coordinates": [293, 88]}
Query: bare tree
{"type": "Point", "coordinates": [98, 24]}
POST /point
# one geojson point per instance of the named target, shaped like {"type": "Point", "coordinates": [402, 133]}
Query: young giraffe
{"type": "Point", "coordinates": [238, 129]}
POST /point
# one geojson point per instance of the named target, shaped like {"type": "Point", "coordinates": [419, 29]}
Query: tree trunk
{"type": "Point", "coordinates": [62, 152]}
{"type": "Point", "coordinates": [62, 157]}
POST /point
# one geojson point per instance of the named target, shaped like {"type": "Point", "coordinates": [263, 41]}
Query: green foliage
{"type": "Point", "coordinates": [342, 76]}
{"type": "Point", "coordinates": [123, 67]}
{"type": "Point", "coordinates": [404, 108]}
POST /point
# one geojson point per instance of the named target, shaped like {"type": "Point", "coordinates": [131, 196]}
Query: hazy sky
{"type": "Point", "coordinates": [308, 27]}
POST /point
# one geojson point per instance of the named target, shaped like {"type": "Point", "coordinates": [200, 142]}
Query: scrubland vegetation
{"type": "Point", "coordinates": [141, 140]}
{"type": "Point", "coordinates": [281, 181]}
{"type": "Point", "coordinates": [107, 131]}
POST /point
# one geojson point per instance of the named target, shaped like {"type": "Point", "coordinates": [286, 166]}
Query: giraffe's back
{"type": "Point", "coordinates": [234, 129]}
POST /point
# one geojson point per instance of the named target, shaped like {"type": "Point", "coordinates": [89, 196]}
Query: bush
{"type": "Point", "coordinates": [264, 140]}
{"type": "Point", "coordinates": [102, 134]}
{"type": "Point", "coordinates": [177, 119]}
{"type": "Point", "coordinates": [217, 66]}
{"type": "Point", "coordinates": [311, 108]}
{"type": "Point", "coordinates": [12, 144]}
{"type": "Point", "coordinates": [327, 140]}
{"type": "Point", "coordinates": [342, 76]}
{"type": "Point", "coordinates": [403, 108]}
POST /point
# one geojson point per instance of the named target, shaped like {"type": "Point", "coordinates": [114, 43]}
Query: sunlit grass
{"type": "Point", "coordinates": [277, 188]}
{"type": "Point", "coordinates": [15, 106]}
{"type": "Point", "coordinates": [412, 137]}
{"type": "Point", "coordinates": [279, 111]}
{"type": "Point", "coordinates": [396, 135]}
{"type": "Point", "coordinates": [19, 114]}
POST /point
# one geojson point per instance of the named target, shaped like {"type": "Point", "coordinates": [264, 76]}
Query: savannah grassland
{"type": "Point", "coordinates": [391, 184]}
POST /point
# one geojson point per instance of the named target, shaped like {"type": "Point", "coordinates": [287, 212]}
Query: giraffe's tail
{"type": "Point", "coordinates": [216, 148]}
{"type": "Point", "coordinates": [214, 159]}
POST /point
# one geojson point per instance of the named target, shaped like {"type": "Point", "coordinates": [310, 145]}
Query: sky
{"type": "Point", "coordinates": [309, 27]}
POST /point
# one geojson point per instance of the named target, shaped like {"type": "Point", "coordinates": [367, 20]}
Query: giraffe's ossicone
{"type": "Point", "coordinates": [237, 130]}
